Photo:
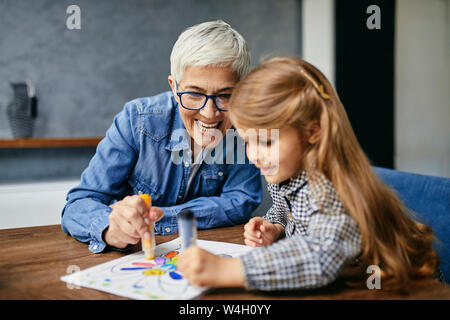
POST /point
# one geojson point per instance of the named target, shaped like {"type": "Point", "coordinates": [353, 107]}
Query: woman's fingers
{"type": "Point", "coordinates": [156, 214]}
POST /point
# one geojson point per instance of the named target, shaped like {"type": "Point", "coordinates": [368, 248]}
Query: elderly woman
{"type": "Point", "coordinates": [171, 146]}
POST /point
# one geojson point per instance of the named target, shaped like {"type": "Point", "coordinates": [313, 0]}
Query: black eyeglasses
{"type": "Point", "coordinates": [197, 100]}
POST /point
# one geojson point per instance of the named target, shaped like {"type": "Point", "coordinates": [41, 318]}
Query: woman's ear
{"type": "Point", "coordinates": [173, 86]}
{"type": "Point", "coordinates": [171, 81]}
{"type": "Point", "coordinates": [314, 133]}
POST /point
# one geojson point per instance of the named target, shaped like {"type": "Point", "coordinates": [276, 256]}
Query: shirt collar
{"type": "Point", "coordinates": [292, 185]}
{"type": "Point", "coordinates": [179, 139]}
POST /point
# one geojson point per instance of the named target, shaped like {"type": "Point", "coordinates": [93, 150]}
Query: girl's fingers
{"type": "Point", "coordinates": [252, 236]}
{"type": "Point", "coordinates": [253, 224]}
{"type": "Point", "coordinates": [184, 260]}
{"type": "Point", "coordinates": [248, 227]}
{"type": "Point", "coordinates": [263, 227]}
{"type": "Point", "coordinates": [251, 243]}
{"type": "Point", "coordinates": [181, 265]}
{"type": "Point", "coordinates": [266, 226]}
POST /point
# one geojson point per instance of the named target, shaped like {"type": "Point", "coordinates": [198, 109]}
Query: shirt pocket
{"type": "Point", "coordinates": [138, 185]}
{"type": "Point", "coordinates": [214, 180]}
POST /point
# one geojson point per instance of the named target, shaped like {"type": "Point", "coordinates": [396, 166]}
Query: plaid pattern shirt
{"type": "Point", "coordinates": [319, 241]}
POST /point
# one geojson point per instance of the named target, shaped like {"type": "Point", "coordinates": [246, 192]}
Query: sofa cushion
{"type": "Point", "coordinates": [429, 198]}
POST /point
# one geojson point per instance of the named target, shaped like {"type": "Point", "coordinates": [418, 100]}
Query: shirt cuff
{"type": "Point", "coordinates": [98, 225]}
{"type": "Point", "coordinates": [168, 224]}
{"type": "Point", "coordinates": [275, 219]}
{"type": "Point", "coordinates": [127, 248]}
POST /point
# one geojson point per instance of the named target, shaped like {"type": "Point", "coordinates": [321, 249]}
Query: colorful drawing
{"type": "Point", "coordinates": [135, 277]}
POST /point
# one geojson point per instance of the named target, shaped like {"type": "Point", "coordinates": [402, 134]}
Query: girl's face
{"type": "Point", "coordinates": [278, 153]}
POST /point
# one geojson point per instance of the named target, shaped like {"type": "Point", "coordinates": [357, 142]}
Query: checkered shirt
{"type": "Point", "coordinates": [319, 242]}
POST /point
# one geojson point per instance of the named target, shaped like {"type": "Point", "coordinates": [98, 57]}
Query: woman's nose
{"type": "Point", "coordinates": [209, 110]}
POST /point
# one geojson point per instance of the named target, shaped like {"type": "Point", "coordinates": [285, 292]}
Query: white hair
{"type": "Point", "coordinates": [210, 43]}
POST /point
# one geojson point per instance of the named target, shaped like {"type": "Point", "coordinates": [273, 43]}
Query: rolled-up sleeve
{"type": "Point", "coordinates": [308, 261]}
{"type": "Point", "coordinates": [86, 213]}
{"type": "Point", "coordinates": [275, 216]}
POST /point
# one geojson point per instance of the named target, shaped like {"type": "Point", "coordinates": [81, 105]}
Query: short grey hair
{"type": "Point", "coordinates": [210, 43]}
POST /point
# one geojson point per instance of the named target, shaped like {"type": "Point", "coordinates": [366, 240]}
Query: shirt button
{"type": "Point", "coordinates": [220, 173]}
{"type": "Point", "coordinates": [186, 164]}
{"type": "Point", "coordinates": [167, 229]}
{"type": "Point", "coordinates": [95, 247]}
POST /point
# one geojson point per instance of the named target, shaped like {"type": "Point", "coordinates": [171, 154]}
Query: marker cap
{"type": "Point", "coordinates": [148, 199]}
{"type": "Point", "coordinates": [187, 228]}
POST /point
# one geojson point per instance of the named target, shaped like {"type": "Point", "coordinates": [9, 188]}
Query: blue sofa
{"type": "Point", "coordinates": [429, 198]}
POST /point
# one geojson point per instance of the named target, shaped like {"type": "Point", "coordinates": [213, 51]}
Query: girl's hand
{"type": "Point", "coordinates": [260, 232]}
{"type": "Point", "coordinates": [204, 269]}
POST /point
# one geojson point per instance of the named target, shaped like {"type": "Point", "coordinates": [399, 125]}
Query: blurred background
{"type": "Point", "coordinates": [394, 80]}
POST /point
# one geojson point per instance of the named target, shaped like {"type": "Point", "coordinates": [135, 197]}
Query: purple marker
{"type": "Point", "coordinates": [187, 228]}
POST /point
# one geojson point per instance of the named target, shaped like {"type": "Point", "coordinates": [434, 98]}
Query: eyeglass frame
{"type": "Point", "coordinates": [213, 96]}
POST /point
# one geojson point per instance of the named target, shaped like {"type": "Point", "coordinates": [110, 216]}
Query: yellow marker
{"type": "Point", "coordinates": [148, 245]}
{"type": "Point", "coordinates": [154, 272]}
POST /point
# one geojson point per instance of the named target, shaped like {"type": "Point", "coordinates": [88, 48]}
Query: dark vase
{"type": "Point", "coordinates": [22, 110]}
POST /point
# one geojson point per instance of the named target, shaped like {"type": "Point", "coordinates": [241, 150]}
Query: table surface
{"type": "Point", "coordinates": [33, 260]}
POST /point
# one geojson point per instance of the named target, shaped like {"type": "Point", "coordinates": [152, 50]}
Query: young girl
{"type": "Point", "coordinates": [329, 208]}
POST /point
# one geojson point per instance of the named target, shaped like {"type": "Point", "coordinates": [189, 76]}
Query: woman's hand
{"type": "Point", "coordinates": [260, 232]}
{"type": "Point", "coordinates": [129, 221]}
{"type": "Point", "coordinates": [204, 269]}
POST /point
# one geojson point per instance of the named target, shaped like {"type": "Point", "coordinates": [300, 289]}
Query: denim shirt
{"type": "Point", "coordinates": [143, 151]}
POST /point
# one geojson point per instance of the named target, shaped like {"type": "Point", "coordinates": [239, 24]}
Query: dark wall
{"type": "Point", "coordinates": [84, 77]}
{"type": "Point", "coordinates": [365, 75]}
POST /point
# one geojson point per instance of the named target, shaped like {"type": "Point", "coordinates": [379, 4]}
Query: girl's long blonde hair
{"type": "Point", "coordinates": [289, 92]}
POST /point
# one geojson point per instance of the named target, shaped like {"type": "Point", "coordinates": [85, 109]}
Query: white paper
{"type": "Point", "coordinates": [158, 278]}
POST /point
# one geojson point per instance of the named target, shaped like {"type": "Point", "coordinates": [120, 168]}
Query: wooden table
{"type": "Point", "coordinates": [32, 260]}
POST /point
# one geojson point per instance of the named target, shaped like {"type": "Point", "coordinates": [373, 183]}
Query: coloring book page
{"type": "Point", "coordinates": [133, 276]}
